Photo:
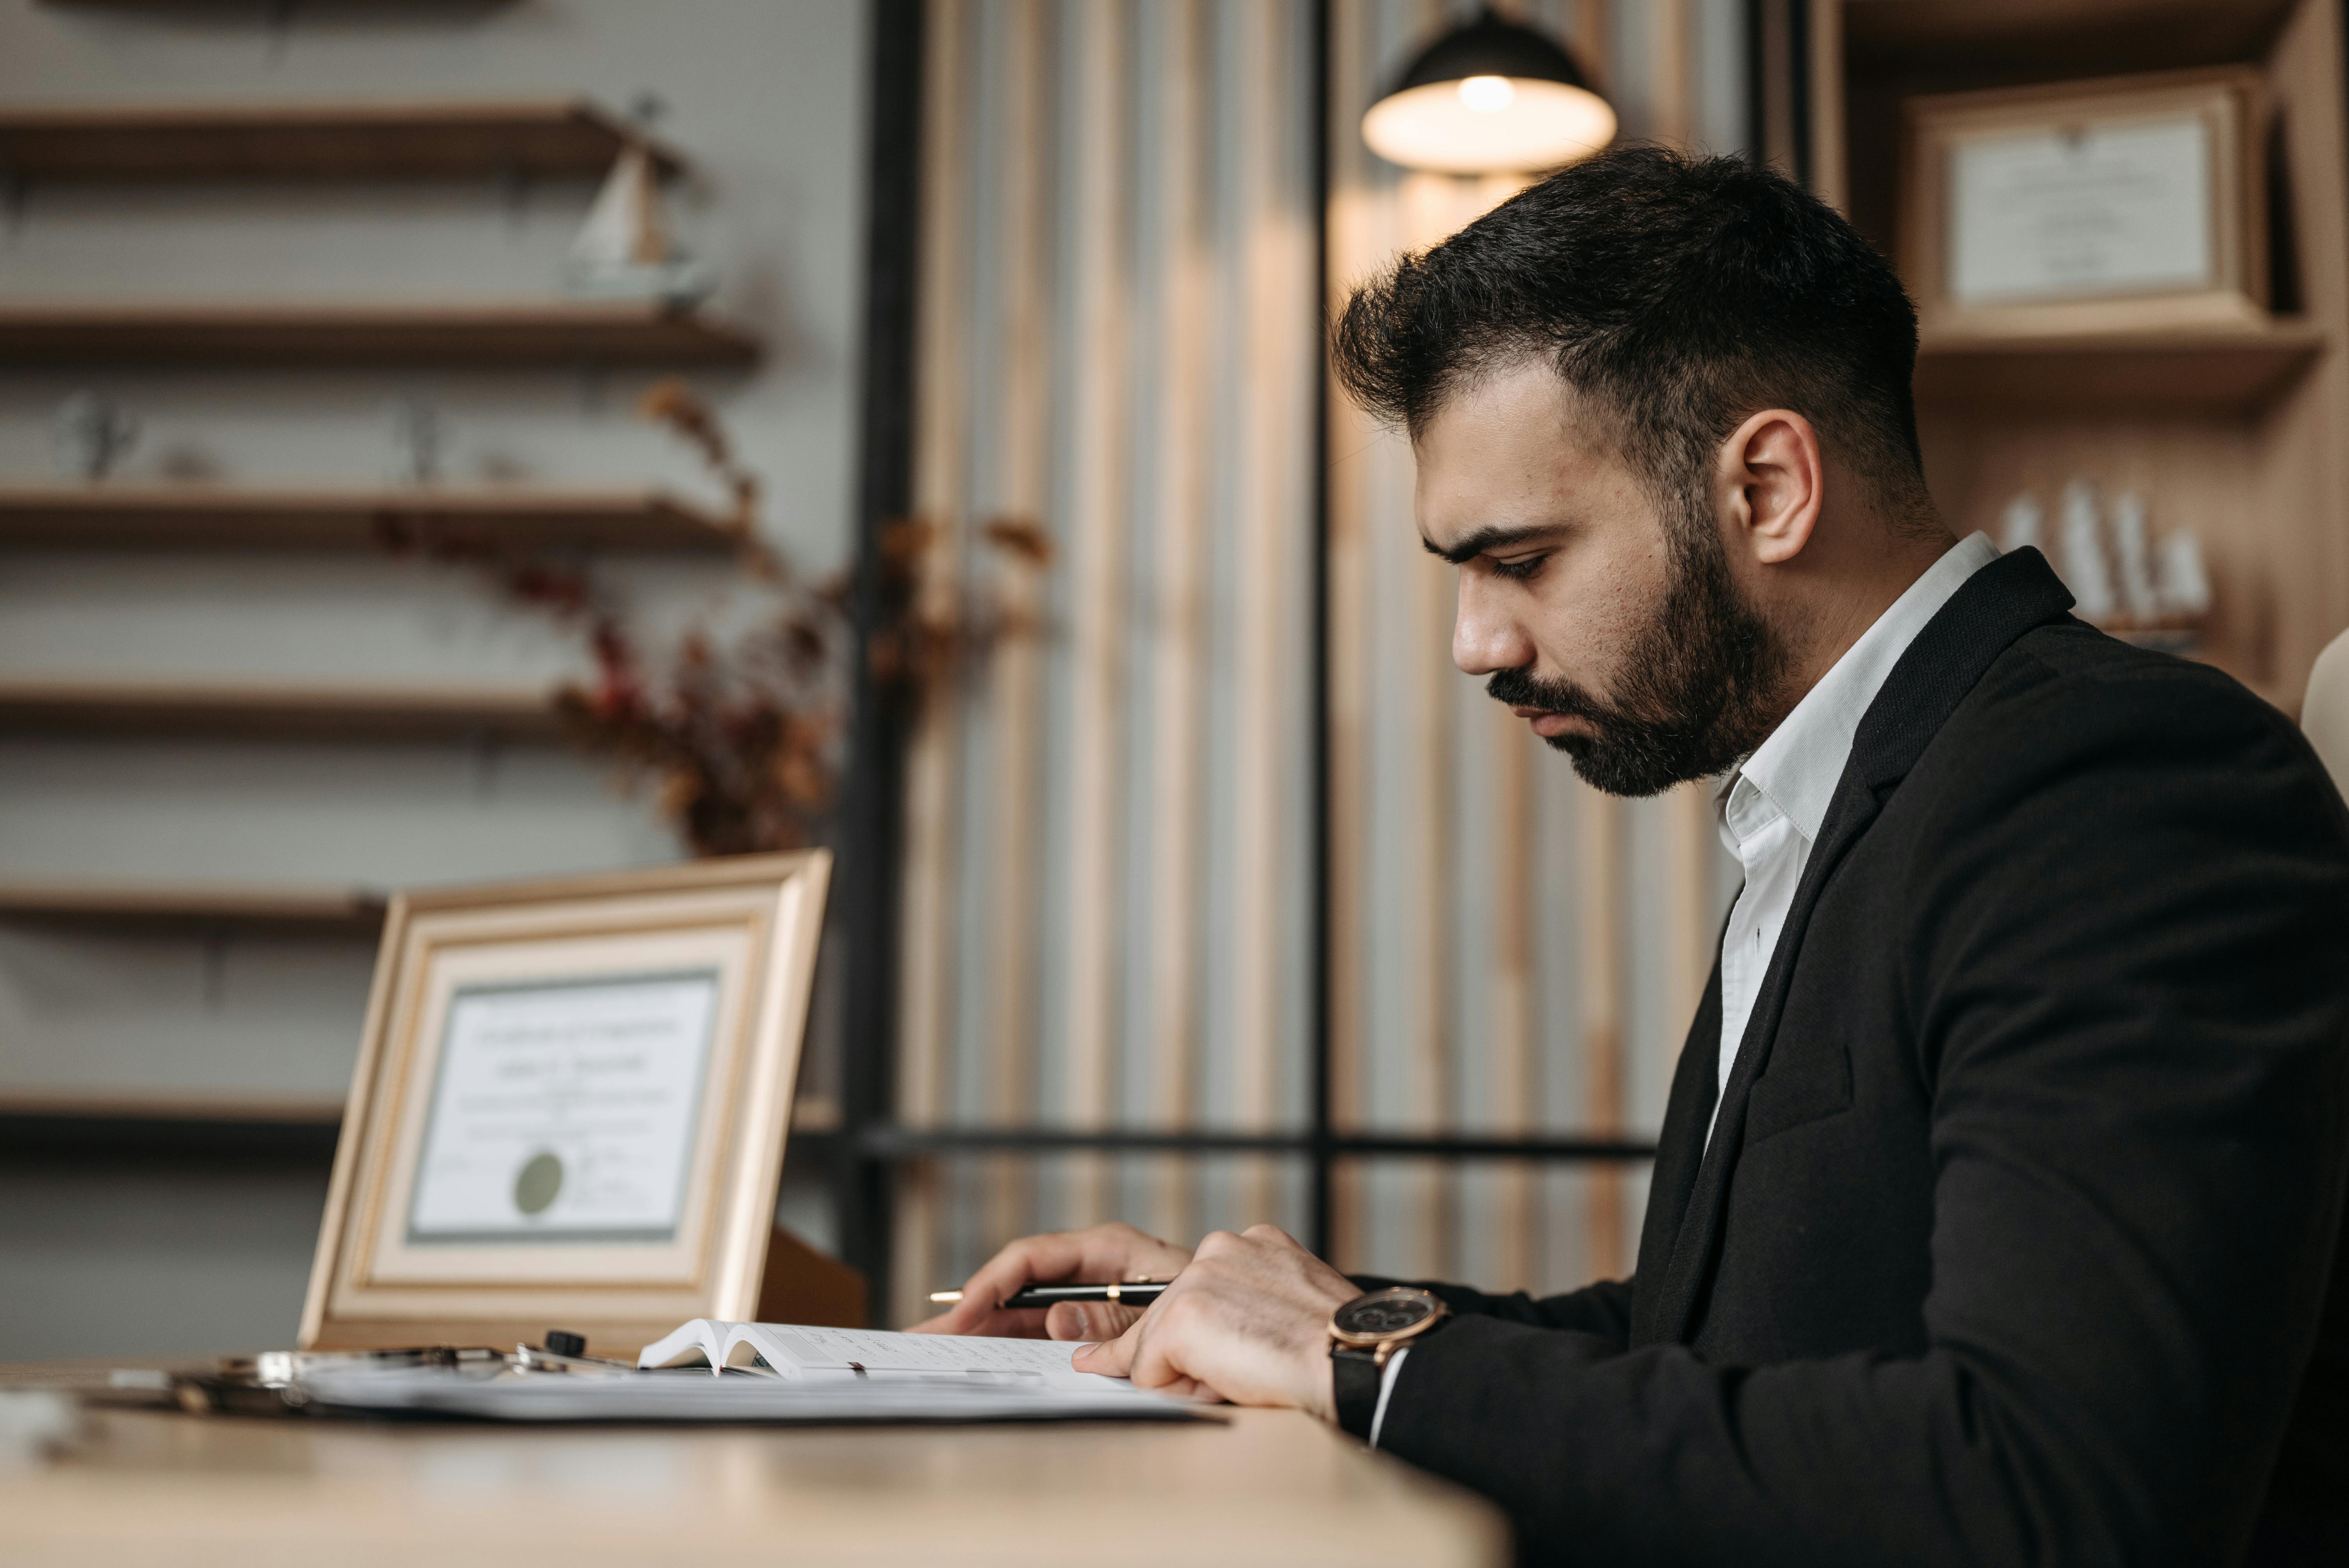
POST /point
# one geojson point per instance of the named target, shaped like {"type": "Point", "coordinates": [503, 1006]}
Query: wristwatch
{"type": "Point", "coordinates": [1363, 1334]}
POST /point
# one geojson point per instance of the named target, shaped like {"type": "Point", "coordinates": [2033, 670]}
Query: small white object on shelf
{"type": "Point", "coordinates": [416, 441]}
{"type": "Point", "coordinates": [2183, 585]}
{"type": "Point", "coordinates": [34, 1423]}
{"type": "Point", "coordinates": [624, 251]}
{"type": "Point", "coordinates": [2085, 568]}
{"type": "Point", "coordinates": [2022, 525]}
{"type": "Point", "coordinates": [2133, 548]}
{"type": "Point", "coordinates": [90, 436]}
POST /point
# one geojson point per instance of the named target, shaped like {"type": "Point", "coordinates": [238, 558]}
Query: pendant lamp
{"type": "Point", "coordinates": [1490, 97]}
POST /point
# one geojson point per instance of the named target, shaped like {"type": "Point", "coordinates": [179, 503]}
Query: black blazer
{"type": "Point", "coordinates": [2012, 1241]}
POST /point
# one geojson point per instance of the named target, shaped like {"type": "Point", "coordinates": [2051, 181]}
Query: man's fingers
{"type": "Point", "coordinates": [1095, 1321]}
{"type": "Point", "coordinates": [1110, 1357]}
{"type": "Point", "coordinates": [1099, 1255]}
{"type": "Point", "coordinates": [1031, 1259]}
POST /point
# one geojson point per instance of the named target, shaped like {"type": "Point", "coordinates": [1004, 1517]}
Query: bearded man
{"type": "Point", "coordinates": [1996, 1198]}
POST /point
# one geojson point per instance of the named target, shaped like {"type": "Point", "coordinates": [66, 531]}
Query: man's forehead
{"type": "Point", "coordinates": [1508, 451]}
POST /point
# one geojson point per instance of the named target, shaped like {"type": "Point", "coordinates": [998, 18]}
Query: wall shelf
{"type": "Point", "coordinates": [2054, 37]}
{"type": "Point", "coordinates": [550, 332]}
{"type": "Point", "coordinates": [529, 138]}
{"type": "Point", "coordinates": [274, 711]}
{"type": "Point", "coordinates": [220, 517]}
{"type": "Point", "coordinates": [2208, 371]}
{"type": "Point", "coordinates": [209, 1125]}
{"type": "Point", "coordinates": [170, 1105]}
{"type": "Point", "coordinates": [2231, 432]}
{"type": "Point", "coordinates": [197, 908]}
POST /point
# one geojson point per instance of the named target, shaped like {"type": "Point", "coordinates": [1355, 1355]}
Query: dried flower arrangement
{"type": "Point", "coordinates": [740, 722]}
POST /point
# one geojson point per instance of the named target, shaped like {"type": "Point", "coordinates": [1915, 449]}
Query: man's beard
{"type": "Point", "coordinates": [1700, 685]}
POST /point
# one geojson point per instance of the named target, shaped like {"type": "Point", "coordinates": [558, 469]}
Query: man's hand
{"type": "Point", "coordinates": [1106, 1254]}
{"type": "Point", "coordinates": [1248, 1321]}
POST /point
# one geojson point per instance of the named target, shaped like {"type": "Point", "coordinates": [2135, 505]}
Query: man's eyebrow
{"type": "Point", "coordinates": [1484, 541]}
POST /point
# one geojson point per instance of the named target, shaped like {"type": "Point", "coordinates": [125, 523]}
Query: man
{"type": "Point", "coordinates": [1997, 1191]}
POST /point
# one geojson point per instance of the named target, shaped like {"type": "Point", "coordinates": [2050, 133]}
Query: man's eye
{"type": "Point", "coordinates": [1520, 571]}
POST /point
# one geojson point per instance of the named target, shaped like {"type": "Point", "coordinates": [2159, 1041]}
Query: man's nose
{"type": "Point", "coordinates": [1486, 637]}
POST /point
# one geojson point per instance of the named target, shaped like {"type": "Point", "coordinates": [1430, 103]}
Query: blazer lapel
{"type": "Point", "coordinates": [1679, 1149]}
{"type": "Point", "coordinates": [1995, 605]}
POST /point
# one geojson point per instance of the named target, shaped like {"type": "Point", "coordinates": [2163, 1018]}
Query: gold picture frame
{"type": "Point", "coordinates": [2124, 204]}
{"type": "Point", "coordinates": [643, 1026]}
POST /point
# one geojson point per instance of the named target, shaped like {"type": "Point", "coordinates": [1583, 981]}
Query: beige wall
{"type": "Point", "coordinates": [767, 96]}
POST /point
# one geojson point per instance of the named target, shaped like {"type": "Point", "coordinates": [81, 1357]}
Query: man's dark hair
{"type": "Point", "coordinates": [1677, 296]}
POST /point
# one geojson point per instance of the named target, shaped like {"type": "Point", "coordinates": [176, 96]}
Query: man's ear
{"type": "Point", "coordinates": [1771, 484]}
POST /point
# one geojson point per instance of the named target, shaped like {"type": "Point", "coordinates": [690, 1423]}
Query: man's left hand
{"type": "Point", "coordinates": [1246, 1321]}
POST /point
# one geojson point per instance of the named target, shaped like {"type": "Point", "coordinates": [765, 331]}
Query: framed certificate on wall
{"type": "Point", "coordinates": [570, 1107]}
{"type": "Point", "coordinates": [2127, 204]}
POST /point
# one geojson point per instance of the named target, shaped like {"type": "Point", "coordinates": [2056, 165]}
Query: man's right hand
{"type": "Point", "coordinates": [1106, 1254]}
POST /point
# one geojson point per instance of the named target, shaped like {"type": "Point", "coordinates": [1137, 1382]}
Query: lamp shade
{"type": "Point", "coordinates": [1489, 96]}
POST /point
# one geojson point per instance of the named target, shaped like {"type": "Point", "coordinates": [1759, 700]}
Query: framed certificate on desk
{"type": "Point", "coordinates": [2132, 203]}
{"type": "Point", "coordinates": [570, 1107]}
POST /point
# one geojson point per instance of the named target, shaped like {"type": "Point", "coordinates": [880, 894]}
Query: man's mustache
{"type": "Point", "coordinates": [1521, 687]}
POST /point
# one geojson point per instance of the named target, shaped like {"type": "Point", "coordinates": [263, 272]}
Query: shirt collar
{"type": "Point", "coordinates": [1799, 765]}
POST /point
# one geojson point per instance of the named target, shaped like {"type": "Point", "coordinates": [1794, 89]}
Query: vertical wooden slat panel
{"type": "Point", "coordinates": [1827, 175]}
{"type": "Point", "coordinates": [1016, 671]}
{"type": "Point", "coordinates": [1516, 1074]}
{"type": "Point", "coordinates": [1353, 220]}
{"type": "Point", "coordinates": [939, 438]}
{"type": "Point", "coordinates": [1692, 846]}
{"type": "Point", "coordinates": [1265, 528]}
{"type": "Point", "coordinates": [1776, 42]}
{"type": "Point", "coordinates": [1434, 207]}
{"type": "Point", "coordinates": [1432, 1032]}
{"type": "Point", "coordinates": [1672, 40]}
{"type": "Point", "coordinates": [1096, 527]}
{"type": "Point", "coordinates": [1605, 913]}
{"type": "Point", "coordinates": [1594, 36]}
{"type": "Point", "coordinates": [1178, 667]}
{"type": "Point", "coordinates": [1689, 835]}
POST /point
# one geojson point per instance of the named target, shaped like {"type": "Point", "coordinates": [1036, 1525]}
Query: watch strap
{"type": "Point", "coordinates": [1354, 1379]}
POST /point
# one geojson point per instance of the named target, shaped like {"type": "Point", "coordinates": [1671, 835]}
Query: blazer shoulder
{"type": "Point", "coordinates": [2065, 705]}
{"type": "Point", "coordinates": [2069, 679]}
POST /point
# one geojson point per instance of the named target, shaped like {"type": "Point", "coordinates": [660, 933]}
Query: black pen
{"type": "Point", "coordinates": [1127, 1293]}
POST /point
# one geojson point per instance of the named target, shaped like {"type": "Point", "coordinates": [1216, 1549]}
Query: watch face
{"type": "Point", "coordinates": [1386, 1312]}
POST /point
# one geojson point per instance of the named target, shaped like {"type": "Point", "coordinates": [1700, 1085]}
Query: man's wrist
{"type": "Point", "coordinates": [1355, 1377]}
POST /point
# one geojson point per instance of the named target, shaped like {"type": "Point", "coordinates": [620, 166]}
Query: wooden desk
{"type": "Point", "coordinates": [1272, 1487]}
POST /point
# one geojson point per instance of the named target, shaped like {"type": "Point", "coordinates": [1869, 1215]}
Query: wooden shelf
{"type": "Point", "coordinates": [809, 1114]}
{"type": "Point", "coordinates": [170, 1105]}
{"type": "Point", "coordinates": [208, 1125]}
{"type": "Point", "coordinates": [150, 1126]}
{"type": "Point", "coordinates": [2230, 431]}
{"type": "Point", "coordinates": [2212, 371]}
{"type": "Point", "coordinates": [529, 138]}
{"type": "Point", "coordinates": [216, 516]}
{"type": "Point", "coordinates": [55, 705]}
{"type": "Point", "coordinates": [195, 907]}
{"type": "Point", "coordinates": [482, 332]}
{"type": "Point", "coordinates": [2055, 38]}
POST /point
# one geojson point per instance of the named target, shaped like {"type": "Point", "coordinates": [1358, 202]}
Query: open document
{"type": "Point", "coordinates": [790, 1350]}
{"type": "Point", "coordinates": [761, 1372]}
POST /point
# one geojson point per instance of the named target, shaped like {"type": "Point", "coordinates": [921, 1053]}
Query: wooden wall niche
{"type": "Point", "coordinates": [2234, 432]}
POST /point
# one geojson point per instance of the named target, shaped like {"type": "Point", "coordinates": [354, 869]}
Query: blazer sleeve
{"type": "Point", "coordinates": [2125, 965]}
{"type": "Point", "coordinates": [1603, 1308]}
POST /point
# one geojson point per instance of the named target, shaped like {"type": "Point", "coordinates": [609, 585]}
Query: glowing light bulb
{"type": "Point", "coordinates": [1487, 95]}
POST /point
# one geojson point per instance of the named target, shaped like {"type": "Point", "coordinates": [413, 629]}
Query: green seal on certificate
{"type": "Point", "coordinates": [537, 1183]}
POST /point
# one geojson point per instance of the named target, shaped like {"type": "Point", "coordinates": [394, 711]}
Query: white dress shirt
{"type": "Point", "coordinates": [1771, 805]}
